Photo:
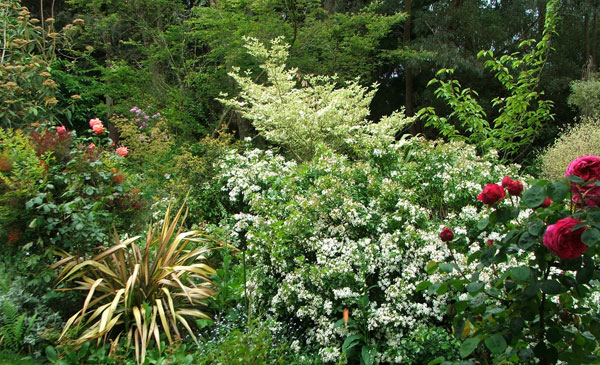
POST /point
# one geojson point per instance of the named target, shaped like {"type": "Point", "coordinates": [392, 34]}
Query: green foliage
{"type": "Point", "coordinates": [302, 114]}
{"type": "Point", "coordinates": [87, 192]}
{"type": "Point", "coordinates": [585, 95]}
{"type": "Point", "coordinates": [26, 85]}
{"type": "Point", "coordinates": [581, 139]}
{"type": "Point", "coordinates": [521, 113]}
{"type": "Point", "coordinates": [516, 301]}
{"type": "Point", "coordinates": [141, 291]}
{"type": "Point", "coordinates": [22, 173]}
{"type": "Point", "coordinates": [14, 328]}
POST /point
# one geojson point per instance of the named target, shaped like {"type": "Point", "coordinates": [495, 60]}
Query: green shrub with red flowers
{"type": "Point", "coordinates": [529, 296]}
{"type": "Point", "coordinates": [71, 189]}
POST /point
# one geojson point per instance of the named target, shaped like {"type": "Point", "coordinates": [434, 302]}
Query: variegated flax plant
{"type": "Point", "coordinates": [141, 290]}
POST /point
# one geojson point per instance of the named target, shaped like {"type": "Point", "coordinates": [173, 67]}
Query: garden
{"type": "Point", "coordinates": [239, 182]}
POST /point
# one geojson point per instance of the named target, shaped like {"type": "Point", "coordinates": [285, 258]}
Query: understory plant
{"type": "Point", "coordinates": [521, 113]}
{"type": "Point", "coordinates": [141, 290]}
{"type": "Point", "coordinates": [330, 235]}
{"type": "Point", "coordinates": [530, 295]}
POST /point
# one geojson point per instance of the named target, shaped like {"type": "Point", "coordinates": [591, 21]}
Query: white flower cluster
{"type": "Point", "coordinates": [324, 235]}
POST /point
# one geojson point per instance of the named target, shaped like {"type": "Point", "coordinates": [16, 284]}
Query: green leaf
{"type": "Point", "coordinates": [367, 355]}
{"type": "Point", "coordinates": [468, 346]}
{"type": "Point", "coordinates": [584, 274]}
{"type": "Point", "coordinates": [483, 223]}
{"type": "Point", "coordinates": [535, 228]}
{"type": "Point", "coordinates": [350, 342]}
{"type": "Point", "coordinates": [576, 179]}
{"type": "Point", "coordinates": [534, 196]}
{"type": "Point", "coordinates": [516, 325]}
{"type": "Point", "coordinates": [527, 240]}
{"type": "Point", "coordinates": [557, 191]}
{"type": "Point", "coordinates": [444, 267]}
{"type": "Point", "coordinates": [590, 236]}
{"type": "Point", "coordinates": [520, 273]}
{"type": "Point", "coordinates": [594, 217]}
{"type": "Point", "coordinates": [553, 335]}
{"type": "Point", "coordinates": [496, 343]}
{"type": "Point", "coordinates": [51, 354]}
{"type": "Point", "coordinates": [431, 267]}
{"type": "Point", "coordinates": [551, 287]}
{"type": "Point", "coordinates": [423, 285]}
{"type": "Point", "coordinates": [474, 287]}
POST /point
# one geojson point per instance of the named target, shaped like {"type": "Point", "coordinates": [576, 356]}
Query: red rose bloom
{"type": "Point", "coordinates": [565, 243]}
{"type": "Point", "coordinates": [546, 203]}
{"type": "Point", "coordinates": [588, 168]}
{"type": "Point", "coordinates": [61, 130]}
{"type": "Point", "coordinates": [513, 187]}
{"type": "Point", "coordinates": [492, 193]}
{"type": "Point", "coordinates": [446, 234]}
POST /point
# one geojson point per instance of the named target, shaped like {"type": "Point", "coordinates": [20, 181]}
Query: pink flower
{"type": "Point", "coordinates": [563, 241]}
{"type": "Point", "coordinates": [94, 121]}
{"type": "Point", "coordinates": [61, 130]}
{"type": "Point", "coordinates": [492, 193]}
{"type": "Point", "coordinates": [92, 147]}
{"type": "Point", "coordinates": [446, 234]}
{"type": "Point", "coordinates": [588, 168]}
{"type": "Point", "coordinates": [98, 128]}
{"type": "Point", "coordinates": [122, 151]}
{"type": "Point", "coordinates": [513, 187]}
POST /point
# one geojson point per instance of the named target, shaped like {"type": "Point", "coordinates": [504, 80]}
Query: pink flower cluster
{"type": "Point", "coordinates": [97, 126]}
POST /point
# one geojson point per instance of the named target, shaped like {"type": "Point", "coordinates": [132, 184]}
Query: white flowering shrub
{"type": "Point", "coordinates": [331, 234]}
{"type": "Point", "coordinates": [301, 113]}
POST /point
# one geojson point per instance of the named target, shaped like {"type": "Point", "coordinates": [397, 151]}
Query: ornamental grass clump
{"type": "Point", "coordinates": [530, 295]}
{"type": "Point", "coordinates": [141, 290]}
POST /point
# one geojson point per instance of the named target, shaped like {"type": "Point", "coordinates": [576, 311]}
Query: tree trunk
{"type": "Point", "coordinates": [586, 36]}
{"type": "Point", "coordinates": [594, 47]}
{"type": "Point", "coordinates": [407, 71]}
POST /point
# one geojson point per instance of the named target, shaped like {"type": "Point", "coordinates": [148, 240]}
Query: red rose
{"type": "Point", "coordinates": [61, 130]}
{"type": "Point", "coordinates": [546, 203]}
{"type": "Point", "coordinates": [588, 168]}
{"type": "Point", "coordinates": [490, 242]}
{"type": "Point", "coordinates": [492, 193]}
{"type": "Point", "coordinates": [513, 187]}
{"type": "Point", "coordinates": [446, 234]}
{"type": "Point", "coordinates": [563, 241]}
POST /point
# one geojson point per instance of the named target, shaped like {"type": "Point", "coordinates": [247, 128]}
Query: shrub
{"type": "Point", "coordinates": [141, 291]}
{"type": "Point", "coordinates": [579, 140]}
{"type": "Point", "coordinates": [27, 89]}
{"type": "Point", "coordinates": [531, 294]}
{"type": "Point", "coordinates": [331, 234]}
{"type": "Point", "coordinates": [585, 95]}
{"type": "Point", "coordinates": [299, 114]}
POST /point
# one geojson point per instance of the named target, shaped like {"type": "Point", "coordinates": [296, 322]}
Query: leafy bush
{"type": "Point", "coordinates": [301, 113]}
{"type": "Point", "coordinates": [579, 140]}
{"type": "Point", "coordinates": [585, 95]}
{"type": "Point", "coordinates": [26, 85]}
{"type": "Point", "coordinates": [141, 291]}
{"type": "Point", "coordinates": [29, 319]}
{"type": "Point", "coordinates": [87, 190]}
{"type": "Point", "coordinates": [531, 294]}
{"type": "Point", "coordinates": [22, 174]}
{"type": "Point", "coordinates": [331, 234]}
